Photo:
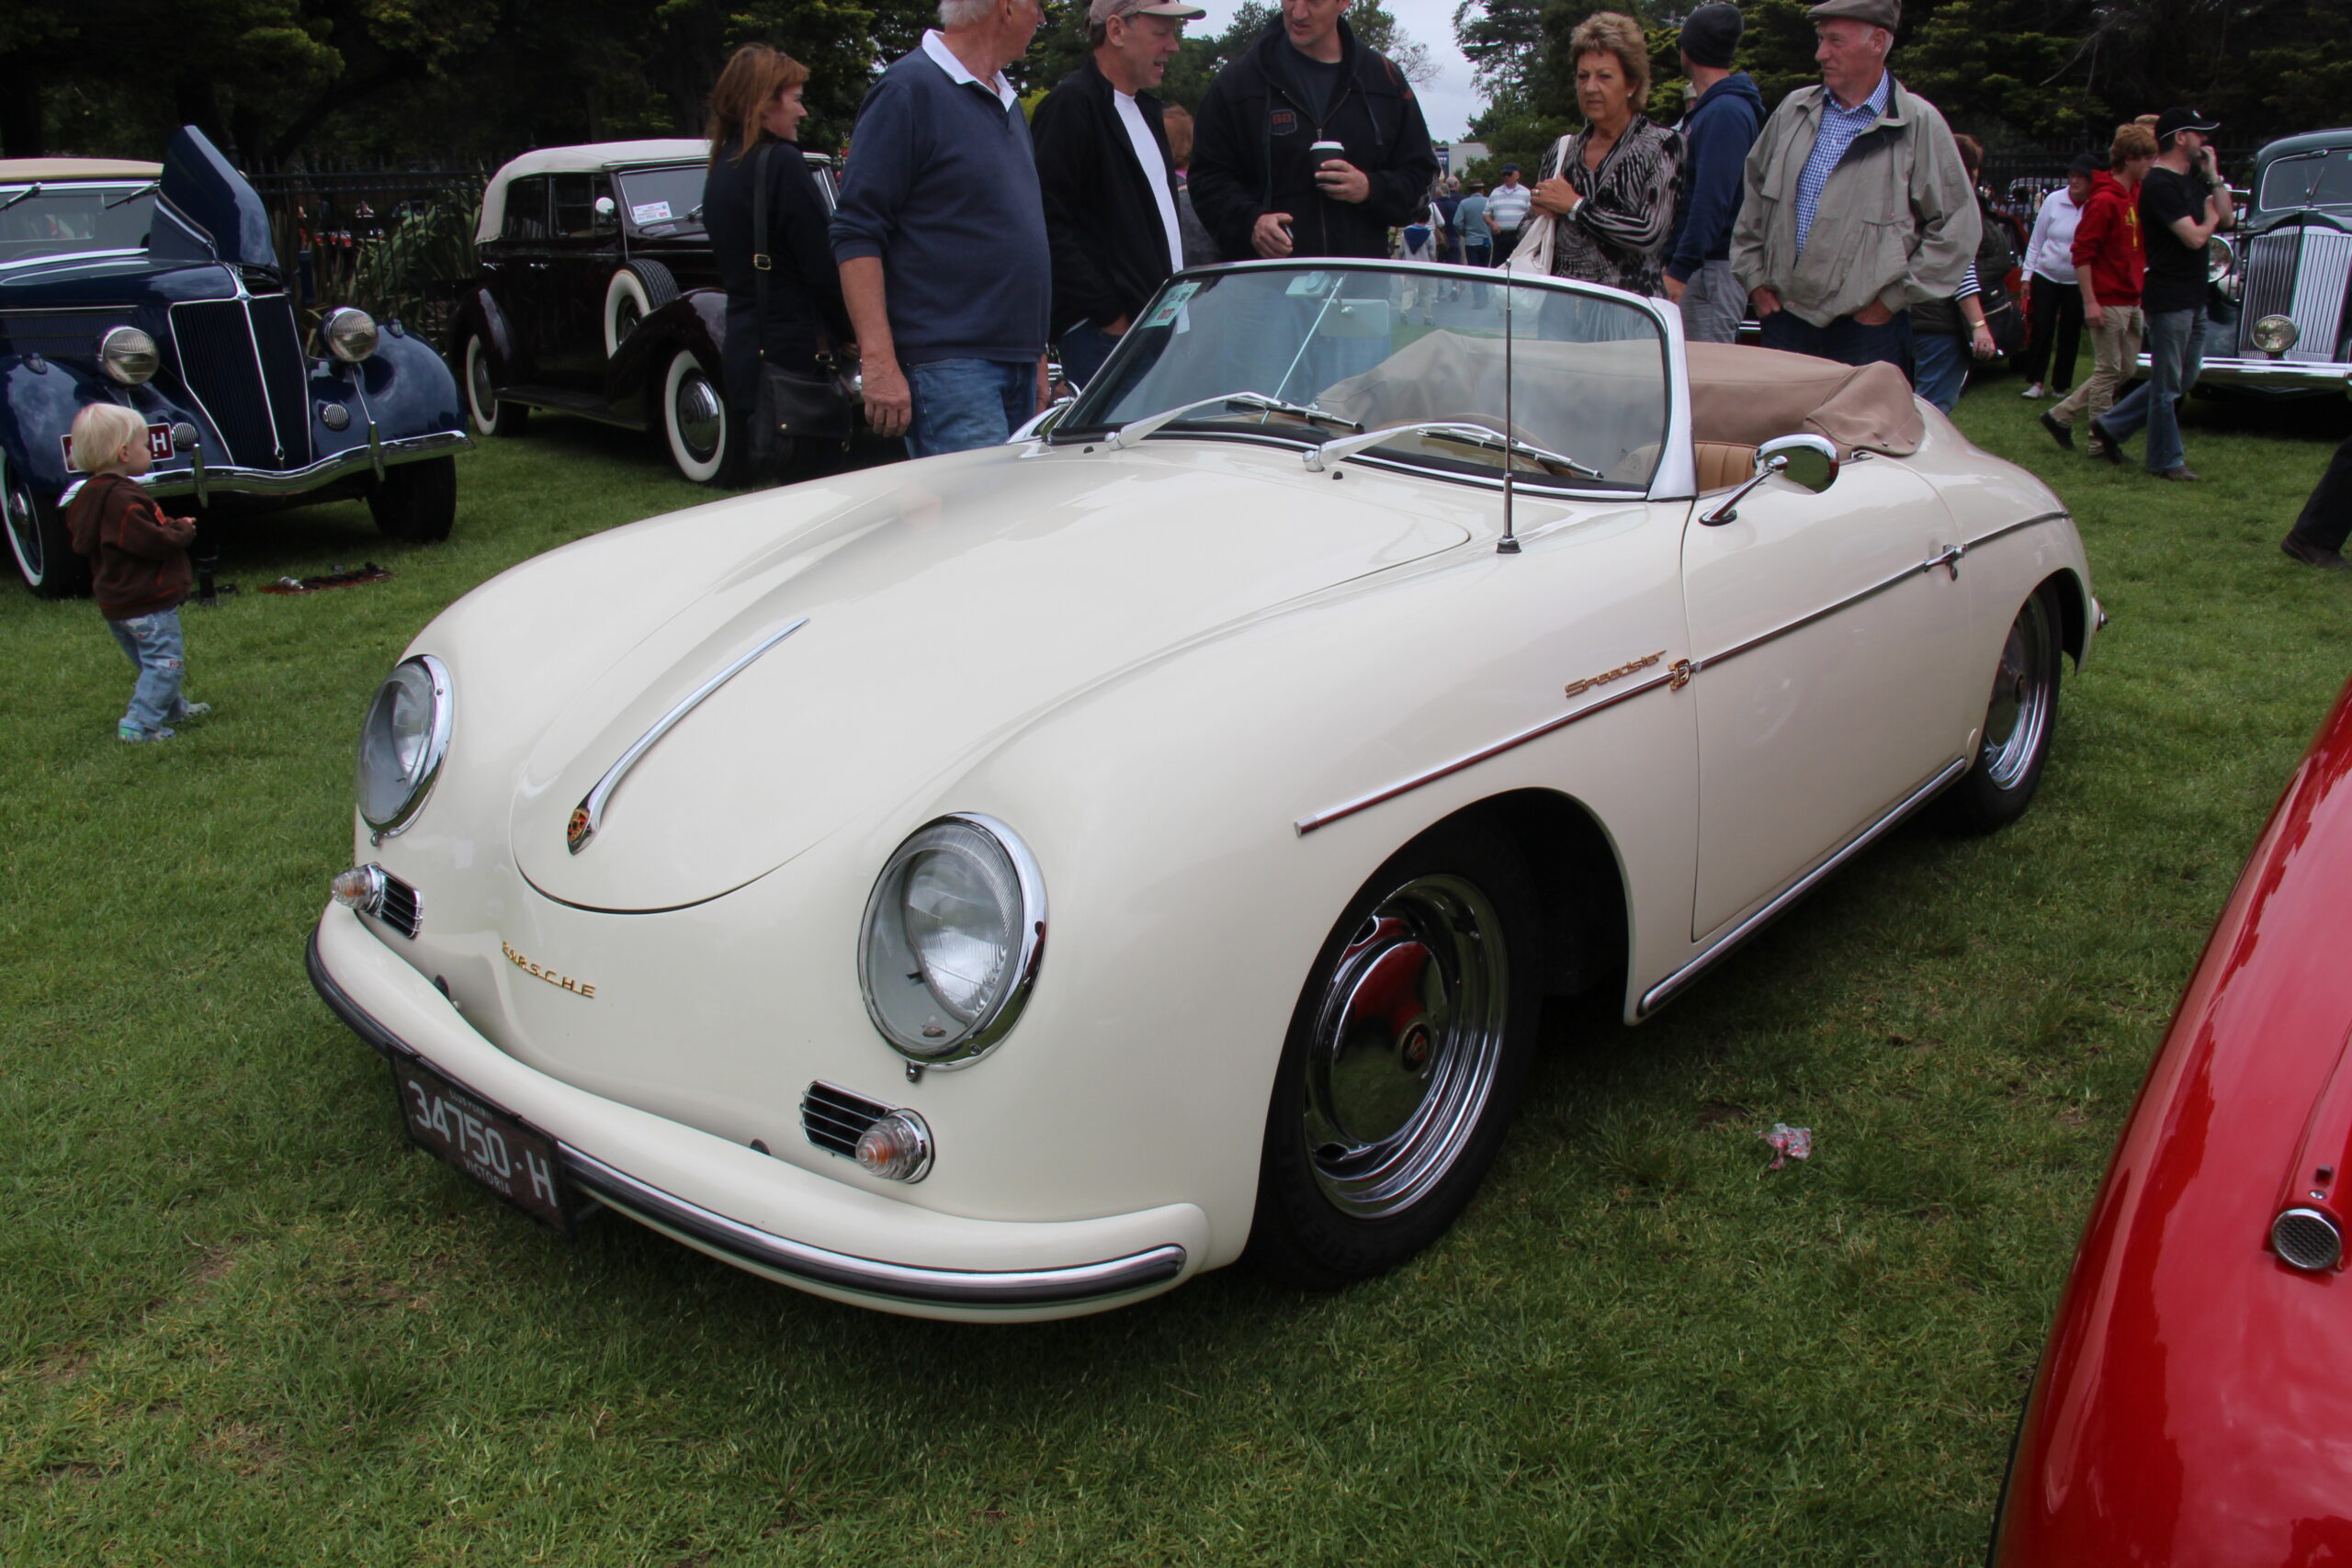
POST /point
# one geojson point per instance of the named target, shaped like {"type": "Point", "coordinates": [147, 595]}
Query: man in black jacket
{"type": "Point", "coordinates": [1254, 181]}
{"type": "Point", "coordinates": [1108, 181]}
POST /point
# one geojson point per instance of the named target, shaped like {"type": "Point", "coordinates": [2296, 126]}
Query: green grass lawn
{"type": "Point", "coordinates": [241, 1321]}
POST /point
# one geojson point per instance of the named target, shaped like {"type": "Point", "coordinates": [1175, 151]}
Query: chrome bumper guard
{"type": "Point", "coordinates": [760, 1250]}
{"type": "Point", "coordinates": [201, 479]}
{"type": "Point", "coordinates": [2270, 375]}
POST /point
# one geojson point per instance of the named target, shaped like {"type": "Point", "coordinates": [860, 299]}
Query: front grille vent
{"type": "Point", "coordinates": [836, 1119]}
{"type": "Point", "coordinates": [402, 908]}
{"type": "Point", "coordinates": [242, 362]}
{"type": "Point", "coordinates": [2307, 1239]}
{"type": "Point", "coordinates": [2301, 273]}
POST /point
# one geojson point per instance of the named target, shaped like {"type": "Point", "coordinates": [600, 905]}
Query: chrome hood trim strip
{"type": "Point", "coordinates": [589, 815]}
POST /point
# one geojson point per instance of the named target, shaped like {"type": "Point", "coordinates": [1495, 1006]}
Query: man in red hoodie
{"type": "Point", "coordinates": [2110, 263]}
{"type": "Point", "coordinates": [141, 557]}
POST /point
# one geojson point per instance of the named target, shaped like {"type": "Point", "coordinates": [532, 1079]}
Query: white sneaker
{"type": "Point", "coordinates": [2033, 391]}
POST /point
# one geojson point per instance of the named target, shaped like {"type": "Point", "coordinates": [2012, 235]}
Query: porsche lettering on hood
{"type": "Point", "coordinates": [942, 617]}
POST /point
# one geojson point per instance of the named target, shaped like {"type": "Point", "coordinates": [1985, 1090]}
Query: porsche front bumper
{"type": "Point", "coordinates": [737, 1204]}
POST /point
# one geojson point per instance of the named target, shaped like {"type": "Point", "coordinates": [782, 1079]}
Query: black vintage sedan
{"type": "Point", "coordinates": [156, 286]}
{"type": "Point", "coordinates": [2287, 274]}
{"type": "Point", "coordinates": [598, 296]}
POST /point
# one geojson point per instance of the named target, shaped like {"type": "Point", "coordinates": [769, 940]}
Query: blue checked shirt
{"type": "Point", "coordinates": [1839, 126]}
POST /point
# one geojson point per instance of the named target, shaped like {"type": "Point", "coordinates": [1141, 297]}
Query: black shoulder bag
{"type": "Point", "coordinates": [788, 405]}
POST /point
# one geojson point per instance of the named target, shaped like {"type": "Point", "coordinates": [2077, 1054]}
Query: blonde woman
{"type": "Point", "coordinates": [1609, 188]}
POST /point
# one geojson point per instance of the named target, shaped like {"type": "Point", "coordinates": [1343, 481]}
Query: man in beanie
{"type": "Point", "coordinates": [1721, 128]}
{"type": "Point", "coordinates": [1108, 181]}
{"type": "Point", "coordinates": [1856, 205]}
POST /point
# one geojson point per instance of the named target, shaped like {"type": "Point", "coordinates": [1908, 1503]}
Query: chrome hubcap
{"type": "Point", "coordinates": [1406, 1045]}
{"type": "Point", "coordinates": [485, 395]}
{"type": "Point", "coordinates": [2020, 712]}
{"type": "Point", "coordinates": [24, 530]}
{"type": "Point", "coordinates": [699, 415]}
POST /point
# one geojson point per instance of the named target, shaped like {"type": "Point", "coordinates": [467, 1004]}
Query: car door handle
{"type": "Point", "coordinates": [1949, 560]}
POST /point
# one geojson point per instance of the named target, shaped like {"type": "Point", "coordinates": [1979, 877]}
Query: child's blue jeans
{"type": "Point", "coordinates": [161, 658]}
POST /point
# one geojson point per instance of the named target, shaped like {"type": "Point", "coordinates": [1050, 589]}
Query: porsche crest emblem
{"type": "Point", "coordinates": [576, 832]}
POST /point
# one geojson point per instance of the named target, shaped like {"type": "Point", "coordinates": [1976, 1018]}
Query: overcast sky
{"type": "Point", "coordinates": [1447, 103]}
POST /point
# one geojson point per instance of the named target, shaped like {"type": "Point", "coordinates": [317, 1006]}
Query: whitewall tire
{"type": "Point", "coordinates": [693, 417]}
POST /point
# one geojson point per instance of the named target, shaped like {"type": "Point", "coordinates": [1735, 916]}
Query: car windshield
{"type": "Point", "coordinates": [54, 218]}
{"type": "Point", "coordinates": [1326, 351]}
{"type": "Point", "coordinates": [659, 201]}
{"type": "Point", "coordinates": [2309, 179]}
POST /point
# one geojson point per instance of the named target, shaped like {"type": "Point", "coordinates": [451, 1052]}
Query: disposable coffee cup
{"type": "Point", "coordinates": [1322, 150]}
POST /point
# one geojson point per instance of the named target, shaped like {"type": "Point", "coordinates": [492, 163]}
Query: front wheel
{"type": "Point", "coordinates": [1403, 1065]}
{"type": "Point", "coordinates": [694, 416]}
{"type": "Point", "coordinates": [2019, 720]}
{"type": "Point", "coordinates": [416, 502]}
{"type": "Point", "coordinates": [38, 541]}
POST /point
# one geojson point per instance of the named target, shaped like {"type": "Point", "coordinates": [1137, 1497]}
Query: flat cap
{"type": "Point", "coordinates": [1101, 12]}
{"type": "Point", "coordinates": [1887, 14]}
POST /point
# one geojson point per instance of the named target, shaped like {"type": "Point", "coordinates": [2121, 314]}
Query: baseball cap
{"type": "Point", "coordinates": [2087, 164]}
{"type": "Point", "coordinates": [1511, 168]}
{"type": "Point", "coordinates": [2183, 120]}
{"type": "Point", "coordinates": [1102, 11]}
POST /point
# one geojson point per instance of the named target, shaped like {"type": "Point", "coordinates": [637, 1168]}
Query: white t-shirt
{"type": "Point", "coordinates": [1155, 173]}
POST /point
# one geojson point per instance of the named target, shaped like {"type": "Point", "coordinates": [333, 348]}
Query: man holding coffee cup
{"type": "Point", "coordinates": [1309, 144]}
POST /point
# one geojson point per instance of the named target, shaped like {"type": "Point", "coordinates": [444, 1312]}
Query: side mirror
{"type": "Point", "coordinates": [1810, 461]}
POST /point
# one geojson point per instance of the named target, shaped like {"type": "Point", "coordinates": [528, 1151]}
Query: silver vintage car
{"type": "Point", "coordinates": [2287, 272]}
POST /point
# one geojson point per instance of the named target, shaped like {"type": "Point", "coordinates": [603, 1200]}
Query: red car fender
{"type": "Point", "coordinates": [2194, 1403]}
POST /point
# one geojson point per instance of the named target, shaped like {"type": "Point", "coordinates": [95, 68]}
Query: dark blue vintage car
{"type": "Point", "coordinates": [157, 287]}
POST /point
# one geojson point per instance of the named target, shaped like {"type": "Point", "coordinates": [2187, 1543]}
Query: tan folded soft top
{"type": "Point", "coordinates": [24, 171]}
{"type": "Point", "coordinates": [1745, 396]}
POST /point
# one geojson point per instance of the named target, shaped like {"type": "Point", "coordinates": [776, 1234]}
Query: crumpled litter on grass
{"type": "Point", "coordinates": [1788, 1142]}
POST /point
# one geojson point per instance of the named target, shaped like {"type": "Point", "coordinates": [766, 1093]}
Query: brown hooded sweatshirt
{"type": "Point", "coordinates": [140, 556]}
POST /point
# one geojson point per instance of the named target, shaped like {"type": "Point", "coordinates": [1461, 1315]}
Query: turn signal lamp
{"type": "Point", "coordinates": [897, 1147]}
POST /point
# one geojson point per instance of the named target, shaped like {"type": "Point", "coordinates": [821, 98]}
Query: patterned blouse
{"type": "Point", "coordinates": [1617, 235]}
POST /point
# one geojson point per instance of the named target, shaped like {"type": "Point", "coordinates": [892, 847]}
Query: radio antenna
{"type": "Point", "coordinates": [1509, 545]}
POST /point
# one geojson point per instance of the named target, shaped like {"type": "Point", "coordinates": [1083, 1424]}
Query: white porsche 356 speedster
{"type": "Point", "coordinates": [1005, 884]}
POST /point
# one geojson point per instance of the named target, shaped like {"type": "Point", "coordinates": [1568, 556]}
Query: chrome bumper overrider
{"type": "Point", "coordinates": [783, 1257]}
{"type": "Point", "coordinates": [203, 478]}
{"type": "Point", "coordinates": [2271, 375]}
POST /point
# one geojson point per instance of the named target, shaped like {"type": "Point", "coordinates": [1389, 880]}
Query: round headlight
{"type": "Point", "coordinates": [954, 930]}
{"type": "Point", "coordinates": [2218, 259]}
{"type": "Point", "coordinates": [401, 743]}
{"type": "Point", "coordinates": [128, 355]}
{"type": "Point", "coordinates": [349, 333]}
{"type": "Point", "coordinates": [2275, 334]}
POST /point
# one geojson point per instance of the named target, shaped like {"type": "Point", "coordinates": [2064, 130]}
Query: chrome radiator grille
{"type": "Point", "coordinates": [242, 361]}
{"type": "Point", "coordinates": [2302, 274]}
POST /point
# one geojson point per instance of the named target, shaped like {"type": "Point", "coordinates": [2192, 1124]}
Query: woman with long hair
{"type": "Point", "coordinates": [755, 114]}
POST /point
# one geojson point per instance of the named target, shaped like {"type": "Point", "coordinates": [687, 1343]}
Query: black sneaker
{"type": "Point", "coordinates": [2061, 434]}
{"type": "Point", "coordinates": [2179, 473]}
{"type": "Point", "coordinates": [2103, 445]}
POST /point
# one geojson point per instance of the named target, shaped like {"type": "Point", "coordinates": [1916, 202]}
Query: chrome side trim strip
{"type": "Point", "coordinates": [1983, 539]}
{"type": "Point", "coordinates": [589, 815]}
{"type": "Point", "coordinates": [747, 1245]}
{"type": "Point", "coordinates": [1305, 825]}
{"type": "Point", "coordinates": [1664, 991]}
{"type": "Point", "coordinates": [740, 1242]}
{"type": "Point", "coordinates": [1847, 603]}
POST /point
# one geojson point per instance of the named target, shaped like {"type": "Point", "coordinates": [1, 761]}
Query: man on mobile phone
{"type": "Point", "coordinates": [1259, 181]}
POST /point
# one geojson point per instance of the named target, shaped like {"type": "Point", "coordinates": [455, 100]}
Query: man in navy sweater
{"type": "Point", "coordinates": [1720, 129]}
{"type": "Point", "coordinates": [941, 237]}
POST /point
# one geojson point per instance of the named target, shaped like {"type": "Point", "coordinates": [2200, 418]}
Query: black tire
{"type": "Point", "coordinates": [638, 289]}
{"type": "Point", "coordinates": [38, 541]}
{"type": "Point", "coordinates": [2018, 721]}
{"type": "Point", "coordinates": [490, 416]}
{"type": "Point", "coordinates": [416, 502]}
{"type": "Point", "coordinates": [696, 420]}
{"type": "Point", "coordinates": [1403, 1065]}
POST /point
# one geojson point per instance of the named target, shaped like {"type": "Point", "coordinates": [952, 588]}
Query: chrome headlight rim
{"type": "Point", "coordinates": [1003, 1010]}
{"type": "Point", "coordinates": [128, 355]}
{"type": "Point", "coordinates": [349, 333]}
{"type": "Point", "coordinates": [2275, 334]}
{"type": "Point", "coordinates": [416, 788]}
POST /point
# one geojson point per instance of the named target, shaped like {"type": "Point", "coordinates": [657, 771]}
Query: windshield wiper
{"type": "Point", "coordinates": [1461, 434]}
{"type": "Point", "coordinates": [27, 193]}
{"type": "Point", "coordinates": [150, 188]}
{"type": "Point", "coordinates": [1136, 430]}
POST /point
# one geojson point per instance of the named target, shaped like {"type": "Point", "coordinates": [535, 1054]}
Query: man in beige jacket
{"type": "Point", "coordinates": [1856, 206]}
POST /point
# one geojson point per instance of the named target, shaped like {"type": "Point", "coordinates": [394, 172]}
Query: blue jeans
{"type": "Point", "coordinates": [1845, 340]}
{"type": "Point", "coordinates": [161, 658]}
{"type": "Point", "coordinates": [964, 403]}
{"type": "Point", "coordinates": [1083, 349]}
{"type": "Point", "coordinates": [2176, 353]}
{"type": "Point", "coordinates": [1940, 362]}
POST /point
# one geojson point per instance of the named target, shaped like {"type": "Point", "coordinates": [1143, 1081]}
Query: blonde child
{"type": "Point", "coordinates": [140, 564]}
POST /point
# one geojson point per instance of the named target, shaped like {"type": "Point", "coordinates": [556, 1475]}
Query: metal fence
{"type": "Point", "coordinates": [324, 221]}
{"type": "Point", "coordinates": [2019, 180]}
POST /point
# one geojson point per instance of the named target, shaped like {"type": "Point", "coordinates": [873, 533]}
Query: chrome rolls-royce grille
{"type": "Point", "coordinates": [242, 361]}
{"type": "Point", "coordinates": [2301, 273]}
{"type": "Point", "coordinates": [836, 1119]}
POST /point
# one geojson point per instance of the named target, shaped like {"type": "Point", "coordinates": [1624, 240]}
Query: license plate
{"type": "Point", "coordinates": [515, 1161]}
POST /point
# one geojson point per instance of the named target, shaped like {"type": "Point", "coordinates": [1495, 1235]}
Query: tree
{"type": "Point", "coordinates": [1503, 40]}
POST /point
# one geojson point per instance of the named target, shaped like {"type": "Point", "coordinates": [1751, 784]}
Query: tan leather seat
{"type": "Point", "coordinates": [1722, 465]}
